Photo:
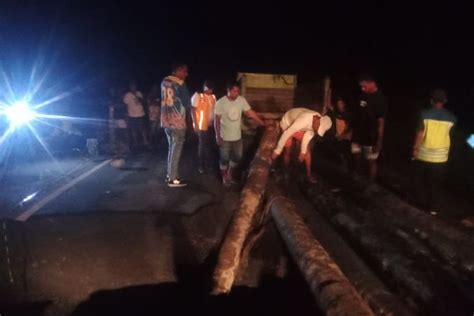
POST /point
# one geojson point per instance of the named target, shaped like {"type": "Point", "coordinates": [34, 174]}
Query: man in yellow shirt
{"type": "Point", "coordinates": [432, 144]}
{"type": "Point", "coordinates": [203, 118]}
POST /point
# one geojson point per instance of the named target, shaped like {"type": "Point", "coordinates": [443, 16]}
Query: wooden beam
{"type": "Point", "coordinates": [332, 290]}
{"type": "Point", "coordinates": [241, 224]}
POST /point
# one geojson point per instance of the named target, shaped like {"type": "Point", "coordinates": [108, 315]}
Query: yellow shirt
{"type": "Point", "coordinates": [436, 124]}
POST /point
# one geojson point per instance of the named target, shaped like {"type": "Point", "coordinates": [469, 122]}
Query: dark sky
{"type": "Point", "coordinates": [411, 48]}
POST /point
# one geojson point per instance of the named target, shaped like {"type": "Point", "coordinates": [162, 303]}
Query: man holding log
{"type": "Point", "coordinates": [299, 126]}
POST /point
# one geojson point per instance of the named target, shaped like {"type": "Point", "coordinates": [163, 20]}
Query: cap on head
{"type": "Point", "coordinates": [325, 124]}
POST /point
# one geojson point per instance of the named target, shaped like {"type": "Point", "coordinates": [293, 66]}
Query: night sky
{"type": "Point", "coordinates": [410, 48]}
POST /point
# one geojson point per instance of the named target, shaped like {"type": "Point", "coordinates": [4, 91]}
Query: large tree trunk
{"type": "Point", "coordinates": [333, 292]}
{"type": "Point", "coordinates": [452, 244]}
{"type": "Point", "coordinates": [380, 299]}
{"type": "Point", "coordinates": [398, 254]}
{"type": "Point", "coordinates": [241, 224]}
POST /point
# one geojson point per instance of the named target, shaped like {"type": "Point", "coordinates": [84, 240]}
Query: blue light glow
{"type": "Point", "coordinates": [470, 140]}
{"type": "Point", "coordinates": [19, 113]}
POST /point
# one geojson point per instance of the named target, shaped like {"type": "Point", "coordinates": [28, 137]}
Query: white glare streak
{"type": "Point", "coordinates": [29, 197]}
{"type": "Point", "coordinates": [69, 118]}
{"type": "Point", "coordinates": [55, 99]}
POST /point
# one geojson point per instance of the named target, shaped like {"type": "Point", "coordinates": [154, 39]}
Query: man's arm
{"type": "Point", "coordinates": [251, 114]}
{"type": "Point", "coordinates": [284, 138]}
{"type": "Point", "coordinates": [217, 127]}
{"type": "Point", "coordinates": [380, 134]}
{"type": "Point", "coordinates": [194, 101]}
{"type": "Point", "coordinates": [417, 143]}
{"type": "Point", "coordinates": [185, 96]}
{"type": "Point", "coordinates": [307, 137]}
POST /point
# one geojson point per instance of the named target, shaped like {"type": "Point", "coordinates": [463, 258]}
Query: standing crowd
{"type": "Point", "coordinates": [356, 134]}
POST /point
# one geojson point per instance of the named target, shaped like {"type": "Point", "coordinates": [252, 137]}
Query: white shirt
{"type": "Point", "coordinates": [296, 120]}
{"type": "Point", "coordinates": [230, 112]}
{"type": "Point", "coordinates": [134, 104]}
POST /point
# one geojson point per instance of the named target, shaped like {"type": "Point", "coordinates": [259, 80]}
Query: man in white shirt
{"type": "Point", "coordinates": [133, 99]}
{"type": "Point", "coordinates": [300, 125]}
{"type": "Point", "coordinates": [203, 118]}
{"type": "Point", "coordinates": [227, 120]}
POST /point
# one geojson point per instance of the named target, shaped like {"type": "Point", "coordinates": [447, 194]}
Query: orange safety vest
{"type": "Point", "coordinates": [203, 112]}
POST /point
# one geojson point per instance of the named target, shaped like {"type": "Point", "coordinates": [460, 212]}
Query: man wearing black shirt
{"type": "Point", "coordinates": [369, 124]}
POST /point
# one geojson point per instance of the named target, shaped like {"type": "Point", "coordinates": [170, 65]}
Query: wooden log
{"type": "Point", "coordinates": [399, 257]}
{"type": "Point", "coordinates": [451, 243]}
{"type": "Point", "coordinates": [380, 299]}
{"type": "Point", "coordinates": [241, 224]}
{"type": "Point", "coordinates": [332, 290]}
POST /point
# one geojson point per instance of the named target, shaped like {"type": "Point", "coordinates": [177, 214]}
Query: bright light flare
{"type": "Point", "coordinates": [19, 113]}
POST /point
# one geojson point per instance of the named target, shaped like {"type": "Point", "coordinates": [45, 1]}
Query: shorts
{"type": "Point", "coordinates": [368, 151]}
{"type": "Point", "coordinates": [298, 136]}
{"type": "Point", "coordinates": [230, 153]}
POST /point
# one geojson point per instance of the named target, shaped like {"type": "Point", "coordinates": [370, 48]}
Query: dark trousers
{"type": "Point", "coordinates": [431, 177]}
{"type": "Point", "coordinates": [204, 148]}
{"type": "Point", "coordinates": [342, 149]}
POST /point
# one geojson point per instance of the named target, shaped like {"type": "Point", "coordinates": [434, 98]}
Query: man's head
{"type": "Point", "coordinates": [132, 86]}
{"type": "Point", "coordinates": [208, 87]}
{"type": "Point", "coordinates": [180, 70]}
{"type": "Point", "coordinates": [439, 98]}
{"type": "Point", "coordinates": [340, 105]}
{"type": "Point", "coordinates": [368, 84]}
{"type": "Point", "coordinates": [233, 90]}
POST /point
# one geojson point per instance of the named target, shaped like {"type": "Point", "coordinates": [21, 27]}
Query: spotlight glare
{"type": "Point", "coordinates": [19, 113]}
{"type": "Point", "coordinates": [470, 141]}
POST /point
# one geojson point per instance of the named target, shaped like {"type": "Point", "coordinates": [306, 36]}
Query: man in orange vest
{"type": "Point", "coordinates": [203, 108]}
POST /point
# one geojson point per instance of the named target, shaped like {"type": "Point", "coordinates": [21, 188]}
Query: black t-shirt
{"type": "Point", "coordinates": [371, 107]}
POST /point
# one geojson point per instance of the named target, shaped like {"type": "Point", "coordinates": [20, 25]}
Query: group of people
{"type": "Point", "coordinates": [211, 118]}
{"type": "Point", "coordinates": [359, 133]}
{"type": "Point", "coordinates": [356, 134]}
{"type": "Point", "coordinates": [225, 114]}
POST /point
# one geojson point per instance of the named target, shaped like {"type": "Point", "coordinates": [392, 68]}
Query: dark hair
{"type": "Point", "coordinates": [367, 77]}
{"type": "Point", "coordinates": [340, 98]}
{"type": "Point", "coordinates": [439, 95]}
{"type": "Point", "coordinates": [209, 84]}
{"type": "Point", "coordinates": [177, 65]}
{"type": "Point", "coordinates": [232, 84]}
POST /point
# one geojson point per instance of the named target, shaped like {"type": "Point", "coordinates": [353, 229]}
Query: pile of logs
{"type": "Point", "coordinates": [414, 254]}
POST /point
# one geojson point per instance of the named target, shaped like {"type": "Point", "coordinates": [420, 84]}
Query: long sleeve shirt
{"type": "Point", "coordinates": [296, 120]}
{"type": "Point", "coordinates": [175, 99]}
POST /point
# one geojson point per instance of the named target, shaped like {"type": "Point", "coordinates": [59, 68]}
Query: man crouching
{"type": "Point", "coordinates": [299, 126]}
